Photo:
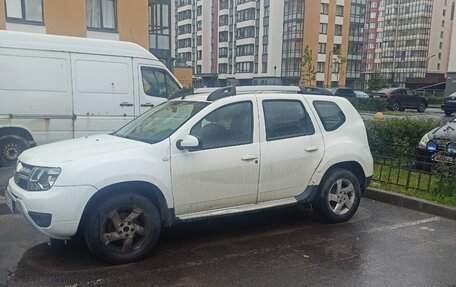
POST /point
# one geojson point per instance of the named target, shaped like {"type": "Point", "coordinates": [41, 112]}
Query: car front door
{"type": "Point", "coordinates": [291, 147]}
{"type": "Point", "coordinates": [224, 171]}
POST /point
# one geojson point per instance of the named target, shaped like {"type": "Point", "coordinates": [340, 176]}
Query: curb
{"type": "Point", "coordinates": [411, 202]}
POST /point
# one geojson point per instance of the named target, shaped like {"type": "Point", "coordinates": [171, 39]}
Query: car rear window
{"type": "Point", "coordinates": [330, 114]}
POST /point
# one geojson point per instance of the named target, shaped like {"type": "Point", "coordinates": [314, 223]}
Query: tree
{"type": "Point", "coordinates": [339, 61]}
{"type": "Point", "coordinates": [376, 82]}
{"type": "Point", "coordinates": [308, 72]}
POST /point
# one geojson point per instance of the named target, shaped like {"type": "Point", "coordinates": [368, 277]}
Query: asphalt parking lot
{"type": "Point", "coordinates": [382, 245]}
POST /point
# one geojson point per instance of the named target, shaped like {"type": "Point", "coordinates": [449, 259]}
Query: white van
{"type": "Point", "coordinates": [56, 87]}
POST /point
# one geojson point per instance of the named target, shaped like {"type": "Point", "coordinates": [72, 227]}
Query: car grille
{"type": "Point", "coordinates": [22, 175]}
{"type": "Point", "coordinates": [450, 100]}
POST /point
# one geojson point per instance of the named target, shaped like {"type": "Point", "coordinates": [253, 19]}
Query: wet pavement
{"type": "Point", "coordinates": [382, 245]}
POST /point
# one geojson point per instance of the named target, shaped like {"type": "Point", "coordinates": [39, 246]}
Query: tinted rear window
{"type": "Point", "coordinates": [330, 114]}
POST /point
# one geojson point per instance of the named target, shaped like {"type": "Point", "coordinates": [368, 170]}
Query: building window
{"type": "Point", "coordinates": [199, 10]}
{"type": "Point", "coordinates": [199, 40]}
{"type": "Point", "coordinates": [199, 55]}
{"type": "Point", "coordinates": [223, 52]}
{"type": "Point", "coordinates": [223, 20]}
{"type": "Point", "coordinates": [246, 14]}
{"type": "Point", "coordinates": [223, 68]}
{"type": "Point", "coordinates": [322, 48]}
{"type": "Point", "coordinates": [339, 10]}
{"type": "Point", "coordinates": [101, 15]}
{"type": "Point", "coordinates": [223, 36]}
{"type": "Point", "coordinates": [324, 8]}
{"type": "Point", "coordinates": [440, 45]}
{"type": "Point", "coordinates": [323, 28]}
{"type": "Point", "coordinates": [24, 11]}
{"type": "Point", "coordinates": [321, 67]}
{"type": "Point", "coordinates": [438, 66]}
{"type": "Point", "coordinates": [338, 30]}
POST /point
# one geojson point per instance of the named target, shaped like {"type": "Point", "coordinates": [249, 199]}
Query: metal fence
{"type": "Point", "coordinates": [416, 172]}
{"type": "Point", "coordinates": [431, 93]}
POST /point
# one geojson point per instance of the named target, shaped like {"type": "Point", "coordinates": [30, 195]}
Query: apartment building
{"type": "Point", "coordinates": [407, 39]}
{"type": "Point", "coordinates": [451, 76]}
{"type": "Point", "coordinates": [356, 44]}
{"type": "Point", "coordinates": [122, 20]}
{"type": "Point", "coordinates": [250, 42]}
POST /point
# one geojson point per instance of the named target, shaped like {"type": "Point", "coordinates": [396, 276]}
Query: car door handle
{"type": "Point", "coordinates": [311, 149]}
{"type": "Point", "coordinates": [249, 157]}
{"type": "Point", "coordinates": [147, 105]}
{"type": "Point", "coordinates": [125, 104]}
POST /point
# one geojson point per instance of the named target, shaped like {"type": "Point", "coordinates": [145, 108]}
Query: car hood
{"type": "Point", "coordinates": [57, 153]}
{"type": "Point", "coordinates": [447, 131]}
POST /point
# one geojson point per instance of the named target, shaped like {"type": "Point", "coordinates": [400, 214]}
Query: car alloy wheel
{"type": "Point", "coordinates": [395, 106]}
{"type": "Point", "coordinates": [421, 107]}
{"type": "Point", "coordinates": [341, 196]}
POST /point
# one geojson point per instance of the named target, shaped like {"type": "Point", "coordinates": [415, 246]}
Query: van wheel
{"type": "Point", "coordinates": [123, 228]}
{"type": "Point", "coordinates": [10, 148]}
{"type": "Point", "coordinates": [339, 196]}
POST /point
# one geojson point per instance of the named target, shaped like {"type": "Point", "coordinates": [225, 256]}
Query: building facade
{"type": "Point", "coordinates": [356, 44]}
{"type": "Point", "coordinates": [261, 42]}
{"type": "Point", "coordinates": [406, 39]}
{"type": "Point", "coordinates": [122, 20]}
{"type": "Point", "coordinates": [451, 76]}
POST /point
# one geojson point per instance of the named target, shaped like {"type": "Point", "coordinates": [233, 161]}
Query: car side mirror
{"type": "Point", "coordinates": [189, 142]}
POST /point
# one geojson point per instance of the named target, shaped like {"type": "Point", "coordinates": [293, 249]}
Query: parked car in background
{"type": "Point", "coordinates": [361, 95]}
{"type": "Point", "coordinates": [343, 92]}
{"type": "Point", "coordinates": [449, 104]}
{"type": "Point", "coordinates": [197, 156]}
{"type": "Point", "coordinates": [315, 91]}
{"type": "Point", "coordinates": [399, 99]}
{"type": "Point", "coordinates": [441, 140]}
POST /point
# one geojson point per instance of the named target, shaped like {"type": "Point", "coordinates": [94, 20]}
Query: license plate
{"type": "Point", "coordinates": [10, 201]}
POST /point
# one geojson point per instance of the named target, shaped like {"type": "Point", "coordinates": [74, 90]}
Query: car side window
{"type": "Point", "coordinates": [227, 126]}
{"type": "Point", "coordinates": [158, 82]}
{"type": "Point", "coordinates": [409, 93]}
{"type": "Point", "coordinates": [286, 119]}
{"type": "Point", "coordinates": [330, 114]}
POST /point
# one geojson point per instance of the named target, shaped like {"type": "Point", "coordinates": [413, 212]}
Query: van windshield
{"type": "Point", "coordinates": [160, 122]}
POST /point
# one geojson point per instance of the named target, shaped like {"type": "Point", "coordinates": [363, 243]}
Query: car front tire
{"type": "Point", "coordinates": [448, 113]}
{"type": "Point", "coordinates": [10, 148]}
{"type": "Point", "coordinates": [339, 196]}
{"type": "Point", "coordinates": [123, 228]}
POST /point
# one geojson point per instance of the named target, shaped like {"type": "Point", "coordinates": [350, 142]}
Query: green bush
{"type": "Point", "coordinates": [369, 104]}
{"type": "Point", "coordinates": [434, 100]}
{"type": "Point", "coordinates": [398, 137]}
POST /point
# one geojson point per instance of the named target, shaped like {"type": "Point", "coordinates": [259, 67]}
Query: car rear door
{"type": "Point", "coordinates": [291, 146]}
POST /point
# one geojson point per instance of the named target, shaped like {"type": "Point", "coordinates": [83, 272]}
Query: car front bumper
{"type": "Point", "coordinates": [55, 212]}
{"type": "Point", "coordinates": [449, 107]}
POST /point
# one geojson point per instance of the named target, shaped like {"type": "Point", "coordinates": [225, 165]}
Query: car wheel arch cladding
{"type": "Point", "coordinates": [147, 189]}
{"type": "Point", "coordinates": [351, 166]}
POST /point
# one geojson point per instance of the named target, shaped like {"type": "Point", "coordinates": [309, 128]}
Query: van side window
{"type": "Point", "coordinates": [330, 114]}
{"type": "Point", "coordinates": [158, 83]}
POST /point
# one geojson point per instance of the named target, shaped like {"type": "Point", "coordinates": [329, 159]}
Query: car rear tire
{"type": "Point", "coordinates": [11, 147]}
{"type": "Point", "coordinates": [421, 108]}
{"type": "Point", "coordinates": [395, 106]}
{"type": "Point", "coordinates": [448, 113]}
{"type": "Point", "coordinates": [339, 196]}
{"type": "Point", "coordinates": [123, 228]}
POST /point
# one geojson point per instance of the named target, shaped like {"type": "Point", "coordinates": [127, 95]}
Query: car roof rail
{"type": "Point", "coordinates": [224, 92]}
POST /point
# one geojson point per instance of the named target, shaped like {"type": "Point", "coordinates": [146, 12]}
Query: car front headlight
{"type": "Point", "coordinates": [36, 178]}
{"type": "Point", "coordinates": [424, 140]}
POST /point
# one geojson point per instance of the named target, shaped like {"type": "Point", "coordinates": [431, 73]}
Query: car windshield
{"type": "Point", "coordinates": [160, 122]}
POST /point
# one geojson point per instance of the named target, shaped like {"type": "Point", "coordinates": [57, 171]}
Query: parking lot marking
{"type": "Point", "coordinates": [405, 224]}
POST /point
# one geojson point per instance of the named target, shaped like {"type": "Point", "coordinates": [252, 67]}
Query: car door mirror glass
{"type": "Point", "coordinates": [188, 143]}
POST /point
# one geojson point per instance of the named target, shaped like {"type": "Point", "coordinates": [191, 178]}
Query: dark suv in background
{"type": "Point", "coordinates": [343, 92]}
{"type": "Point", "coordinates": [449, 104]}
{"type": "Point", "coordinates": [399, 99]}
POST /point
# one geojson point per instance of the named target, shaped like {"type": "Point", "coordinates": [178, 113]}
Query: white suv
{"type": "Point", "coordinates": [192, 157]}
